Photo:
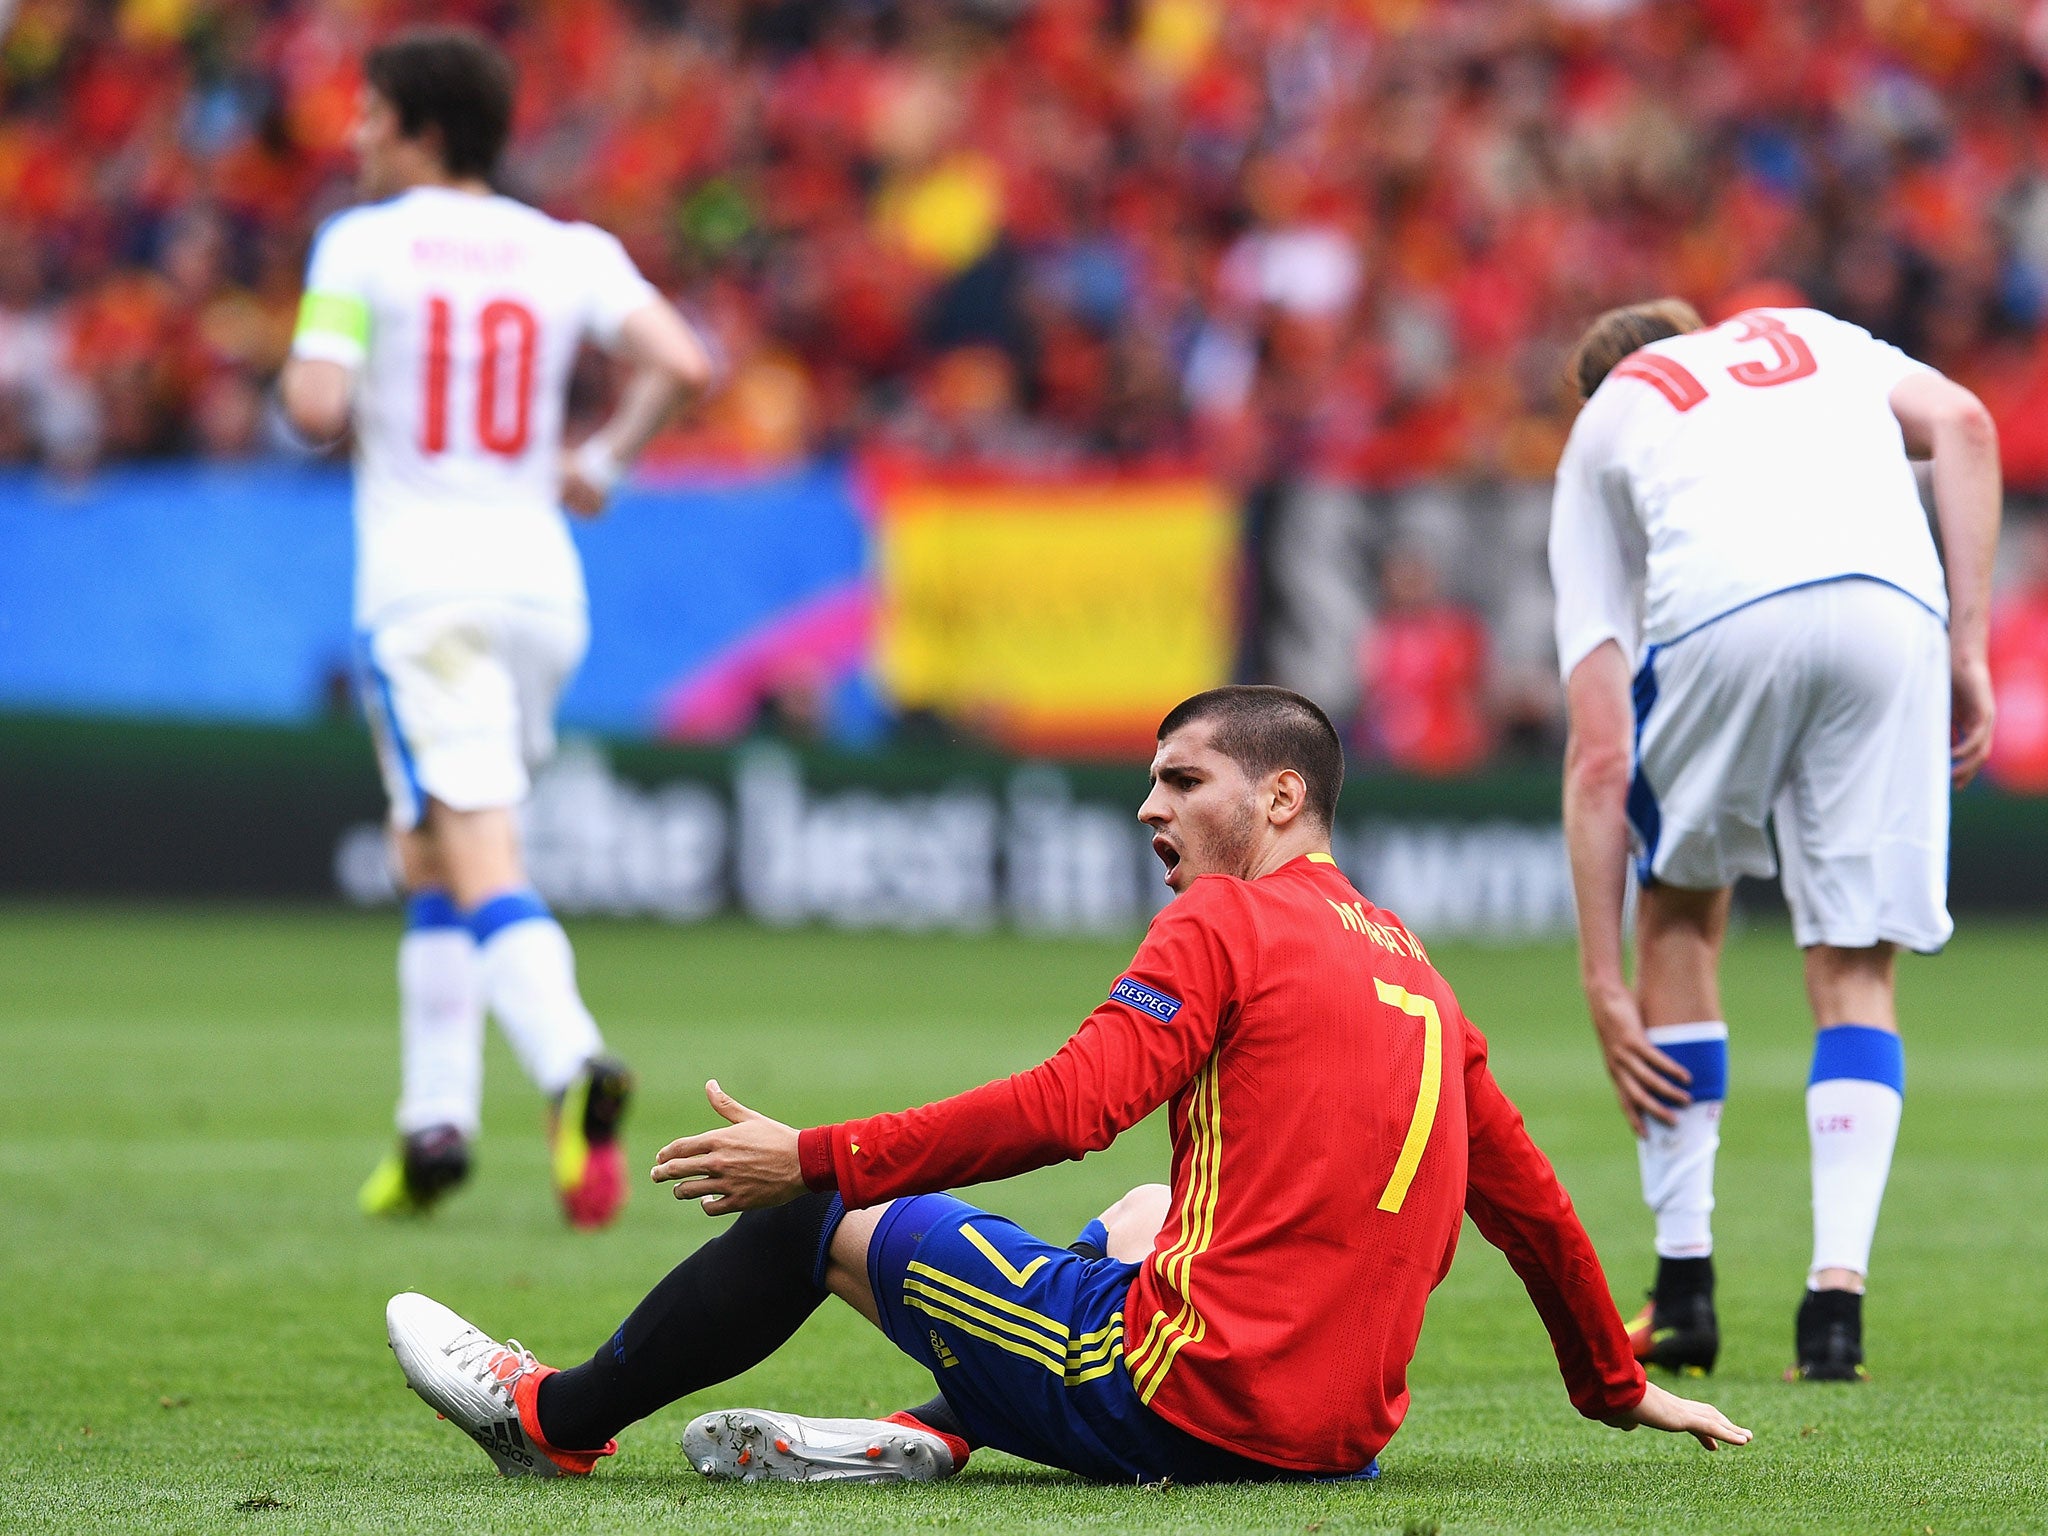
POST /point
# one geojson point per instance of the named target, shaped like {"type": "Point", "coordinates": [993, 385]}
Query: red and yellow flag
{"type": "Point", "coordinates": [1063, 615]}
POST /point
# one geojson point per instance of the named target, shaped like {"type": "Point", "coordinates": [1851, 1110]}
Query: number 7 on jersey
{"type": "Point", "coordinates": [1427, 1092]}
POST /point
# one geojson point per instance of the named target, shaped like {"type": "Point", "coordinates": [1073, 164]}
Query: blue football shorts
{"type": "Point", "coordinates": [1026, 1342]}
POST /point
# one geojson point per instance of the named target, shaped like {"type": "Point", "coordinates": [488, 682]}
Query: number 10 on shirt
{"type": "Point", "coordinates": [508, 336]}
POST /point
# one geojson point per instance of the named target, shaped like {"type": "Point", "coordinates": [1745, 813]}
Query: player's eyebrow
{"type": "Point", "coordinates": [1175, 770]}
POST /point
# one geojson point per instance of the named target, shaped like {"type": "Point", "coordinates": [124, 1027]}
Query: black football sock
{"type": "Point", "coordinates": [724, 1309]}
{"type": "Point", "coordinates": [938, 1414]}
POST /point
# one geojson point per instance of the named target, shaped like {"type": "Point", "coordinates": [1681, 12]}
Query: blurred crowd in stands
{"type": "Point", "coordinates": [1347, 236]}
{"type": "Point", "coordinates": [1325, 249]}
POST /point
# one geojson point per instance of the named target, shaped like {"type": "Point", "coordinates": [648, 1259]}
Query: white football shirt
{"type": "Point", "coordinates": [461, 315]}
{"type": "Point", "coordinates": [1719, 467]}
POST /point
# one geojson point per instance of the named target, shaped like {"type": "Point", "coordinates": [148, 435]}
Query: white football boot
{"type": "Point", "coordinates": [753, 1445]}
{"type": "Point", "coordinates": [476, 1383]}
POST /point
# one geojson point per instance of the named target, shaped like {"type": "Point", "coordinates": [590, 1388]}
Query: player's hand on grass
{"type": "Point", "coordinates": [744, 1165]}
{"type": "Point", "coordinates": [1682, 1416]}
{"type": "Point", "coordinates": [1645, 1080]}
{"type": "Point", "coordinates": [1970, 716]}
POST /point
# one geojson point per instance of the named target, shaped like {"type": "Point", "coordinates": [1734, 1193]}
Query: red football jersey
{"type": "Point", "coordinates": [1333, 1120]}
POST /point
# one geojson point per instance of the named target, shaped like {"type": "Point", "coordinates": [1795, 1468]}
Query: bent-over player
{"type": "Point", "coordinates": [1333, 1121]}
{"type": "Point", "coordinates": [1753, 626]}
{"type": "Point", "coordinates": [444, 320]}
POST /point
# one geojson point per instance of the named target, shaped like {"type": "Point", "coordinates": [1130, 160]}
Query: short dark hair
{"type": "Point", "coordinates": [453, 80]}
{"type": "Point", "coordinates": [1263, 730]}
{"type": "Point", "coordinates": [1621, 331]}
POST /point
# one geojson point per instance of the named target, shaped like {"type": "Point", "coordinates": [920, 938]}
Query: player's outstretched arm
{"type": "Point", "coordinates": [1596, 773]}
{"type": "Point", "coordinates": [1682, 1416]}
{"type": "Point", "coordinates": [1123, 1063]}
{"type": "Point", "coordinates": [1943, 420]}
{"type": "Point", "coordinates": [670, 363]}
{"type": "Point", "coordinates": [1108, 1077]}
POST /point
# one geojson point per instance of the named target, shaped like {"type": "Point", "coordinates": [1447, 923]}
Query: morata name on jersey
{"type": "Point", "coordinates": [1397, 941]}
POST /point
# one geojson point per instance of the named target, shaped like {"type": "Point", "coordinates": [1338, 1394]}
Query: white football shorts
{"type": "Point", "coordinates": [1825, 711]}
{"type": "Point", "coordinates": [461, 698]}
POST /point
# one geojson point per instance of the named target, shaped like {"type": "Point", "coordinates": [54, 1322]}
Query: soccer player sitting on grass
{"type": "Point", "coordinates": [1333, 1121]}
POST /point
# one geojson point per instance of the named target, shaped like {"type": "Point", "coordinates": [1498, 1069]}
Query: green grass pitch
{"type": "Point", "coordinates": [191, 1329]}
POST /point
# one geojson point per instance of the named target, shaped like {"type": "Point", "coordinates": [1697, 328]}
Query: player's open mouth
{"type": "Point", "coordinates": [1168, 854]}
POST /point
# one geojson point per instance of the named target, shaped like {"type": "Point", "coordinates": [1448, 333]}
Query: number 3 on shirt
{"type": "Point", "coordinates": [1791, 358]}
{"type": "Point", "coordinates": [509, 334]}
{"type": "Point", "coordinates": [1426, 1094]}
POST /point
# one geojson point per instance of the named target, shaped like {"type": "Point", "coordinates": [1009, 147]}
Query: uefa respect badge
{"type": "Point", "coordinates": [1145, 999]}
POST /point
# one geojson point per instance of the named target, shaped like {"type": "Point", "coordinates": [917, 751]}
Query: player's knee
{"type": "Point", "coordinates": [1852, 986]}
{"type": "Point", "coordinates": [1681, 914]}
{"type": "Point", "coordinates": [1871, 966]}
{"type": "Point", "coordinates": [1865, 958]}
{"type": "Point", "coordinates": [419, 862]}
{"type": "Point", "coordinates": [846, 1268]}
{"type": "Point", "coordinates": [1134, 1221]}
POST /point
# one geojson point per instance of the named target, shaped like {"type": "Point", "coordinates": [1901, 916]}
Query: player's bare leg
{"type": "Point", "coordinates": [846, 1270]}
{"type": "Point", "coordinates": [476, 852]}
{"type": "Point", "coordinates": [1679, 936]}
{"type": "Point", "coordinates": [527, 976]}
{"type": "Point", "coordinates": [441, 1040]}
{"type": "Point", "coordinates": [1853, 1102]}
{"type": "Point", "coordinates": [1128, 1230]}
{"type": "Point", "coordinates": [1853, 986]}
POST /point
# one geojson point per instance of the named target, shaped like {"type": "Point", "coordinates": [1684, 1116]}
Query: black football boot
{"type": "Point", "coordinates": [1677, 1328]}
{"type": "Point", "coordinates": [1828, 1337]}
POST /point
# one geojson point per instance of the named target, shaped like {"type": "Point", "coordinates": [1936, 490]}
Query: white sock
{"type": "Point", "coordinates": [440, 1020]}
{"type": "Point", "coordinates": [1677, 1161]}
{"type": "Point", "coordinates": [1853, 1101]}
{"type": "Point", "coordinates": [529, 976]}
